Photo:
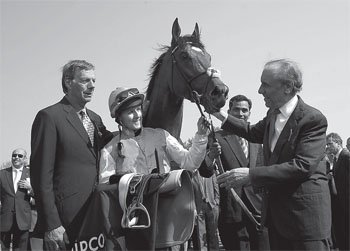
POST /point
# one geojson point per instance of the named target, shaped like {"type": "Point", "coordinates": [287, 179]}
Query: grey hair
{"type": "Point", "coordinates": [69, 70]}
{"type": "Point", "coordinates": [288, 72]}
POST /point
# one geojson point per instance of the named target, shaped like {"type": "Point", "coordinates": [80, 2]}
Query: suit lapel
{"type": "Point", "coordinates": [253, 152]}
{"type": "Point", "coordinates": [232, 141]}
{"type": "Point", "coordinates": [25, 173]}
{"type": "Point", "coordinates": [76, 123]}
{"type": "Point", "coordinates": [10, 179]}
{"type": "Point", "coordinates": [287, 132]}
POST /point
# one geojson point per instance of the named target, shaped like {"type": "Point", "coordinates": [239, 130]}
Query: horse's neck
{"type": "Point", "coordinates": [165, 110]}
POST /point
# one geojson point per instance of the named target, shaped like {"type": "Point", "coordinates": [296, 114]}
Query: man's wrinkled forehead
{"type": "Point", "coordinates": [19, 151]}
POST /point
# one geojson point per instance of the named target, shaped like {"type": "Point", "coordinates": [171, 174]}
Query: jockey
{"type": "Point", "coordinates": [138, 149]}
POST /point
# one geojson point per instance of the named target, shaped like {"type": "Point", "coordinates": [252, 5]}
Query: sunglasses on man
{"type": "Point", "coordinates": [17, 155]}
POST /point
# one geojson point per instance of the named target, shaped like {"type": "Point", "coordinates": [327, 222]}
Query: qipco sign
{"type": "Point", "coordinates": [93, 244]}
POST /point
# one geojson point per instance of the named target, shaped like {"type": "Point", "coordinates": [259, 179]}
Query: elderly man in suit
{"type": "Point", "coordinates": [15, 190]}
{"type": "Point", "coordinates": [236, 230]}
{"type": "Point", "coordinates": [66, 139]}
{"type": "Point", "coordinates": [296, 201]}
{"type": "Point", "coordinates": [341, 198]}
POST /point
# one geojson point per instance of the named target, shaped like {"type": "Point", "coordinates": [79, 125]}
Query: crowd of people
{"type": "Point", "coordinates": [290, 174]}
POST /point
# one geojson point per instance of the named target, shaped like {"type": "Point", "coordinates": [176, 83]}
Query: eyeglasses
{"type": "Point", "coordinates": [17, 155]}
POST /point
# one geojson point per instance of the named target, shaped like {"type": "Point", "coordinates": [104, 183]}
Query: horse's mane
{"type": "Point", "coordinates": [155, 69]}
{"type": "Point", "coordinates": [165, 49]}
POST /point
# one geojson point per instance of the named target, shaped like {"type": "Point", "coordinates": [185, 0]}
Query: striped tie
{"type": "Point", "coordinates": [244, 145]}
{"type": "Point", "coordinates": [89, 127]}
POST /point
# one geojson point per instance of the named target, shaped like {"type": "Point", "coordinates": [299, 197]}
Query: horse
{"type": "Point", "coordinates": [181, 72]}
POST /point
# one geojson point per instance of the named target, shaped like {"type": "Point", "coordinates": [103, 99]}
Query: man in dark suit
{"type": "Point", "coordinates": [66, 139]}
{"type": "Point", "coordinates": [296, 202]}
{"type": "Point", "coordinates": [348, 143]}
{"type": "Point", "coordinates": [341, 199]}
{"type": "Point", "coordinates": [236, 230]}
{"type": "Point", "coordinates": [15, 190]}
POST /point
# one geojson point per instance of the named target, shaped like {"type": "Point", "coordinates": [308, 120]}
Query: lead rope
{"type": "Point", "coordinates": [219, 166]}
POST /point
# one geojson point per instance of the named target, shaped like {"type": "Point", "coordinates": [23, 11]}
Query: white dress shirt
{"type": "Point", "coordinates": [285, 111]}
{"type": "Point", "coordinates": [16, 176]}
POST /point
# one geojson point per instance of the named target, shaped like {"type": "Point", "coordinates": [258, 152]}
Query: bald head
{"type": "Point", "coordinates": [19, 157]}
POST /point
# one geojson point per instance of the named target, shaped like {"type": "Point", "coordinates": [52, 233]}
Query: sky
{"type": "Point", "coordinates": [122, 38]}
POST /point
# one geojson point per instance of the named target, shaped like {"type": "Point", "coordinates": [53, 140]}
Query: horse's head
{"type": "Point", "coordinates": [192, 63]}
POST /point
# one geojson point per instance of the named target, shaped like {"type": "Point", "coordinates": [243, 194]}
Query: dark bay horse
{"type": "Point", "coordinates": [182, 71]}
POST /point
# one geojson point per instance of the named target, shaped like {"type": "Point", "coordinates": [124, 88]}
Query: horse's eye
{"type": "Point", "coordinates": [184, 55]}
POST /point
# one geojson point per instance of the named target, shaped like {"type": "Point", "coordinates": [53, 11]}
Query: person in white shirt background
{"type": "Point", "coordinates": [16, 192]}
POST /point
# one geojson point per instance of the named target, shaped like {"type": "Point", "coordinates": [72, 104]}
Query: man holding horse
{"type": "Point", "coordinates": [237, 231]}
{"type": "Point", "coordinates": [296, 202]}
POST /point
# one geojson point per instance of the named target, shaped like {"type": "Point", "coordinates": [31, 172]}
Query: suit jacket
{"type": "Point", "coordinates": [297, 197]}
{"type": "Point", "coordinates": [232, 156]}
{"type": "Point", "coordinates": [14, 204]}
{"type": "Point", "coordinates": [64, 165]}
{"type": "Point", "coordinates": [341, 202]}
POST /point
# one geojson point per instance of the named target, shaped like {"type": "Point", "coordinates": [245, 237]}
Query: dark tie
{"type": "Point", "coordinates": [334, 161]}
{"type": "Point", "coordinates": [272, 140]}
{"type": "Point", "coordinates": [89, 127]}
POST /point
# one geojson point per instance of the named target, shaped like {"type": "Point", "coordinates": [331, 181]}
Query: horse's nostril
{"type": "Point", "coordinates": [220, 90]}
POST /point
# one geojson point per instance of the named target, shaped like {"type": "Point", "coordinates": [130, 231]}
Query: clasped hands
{"type": "Point", "coordinates": [234, 178]}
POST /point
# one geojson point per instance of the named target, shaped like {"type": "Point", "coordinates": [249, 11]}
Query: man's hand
{"type": "Point", "coordinates": [234, 178]}
{"type": "Point", "coordinates": [56, 239]}
{"type": "Point", "coordinates": [24, 184]}
{"type": "Point", "coordinates": [214, 151]}
{"type": "Point", "coordinates": [203, 126]}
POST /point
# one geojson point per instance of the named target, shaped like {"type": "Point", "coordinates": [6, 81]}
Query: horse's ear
{"type": "Point", "coordinates": [195, 33]}
{"type": "Point", "coordinates": [176, 31]}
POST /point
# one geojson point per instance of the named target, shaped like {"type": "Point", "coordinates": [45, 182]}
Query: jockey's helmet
{"type": "Point", "coordinates": [122, 98]}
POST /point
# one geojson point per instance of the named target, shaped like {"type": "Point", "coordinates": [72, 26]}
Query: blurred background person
{"type": "Point", "coordinates": [207, 199]}
{"type": "Point", "coordinates": [348, 143]}
{"type": "Point", "coordinates": [341, 200]}
{"type": "Point", "coordinates": [16, 191]}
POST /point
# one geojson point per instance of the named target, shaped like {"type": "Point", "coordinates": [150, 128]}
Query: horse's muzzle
{"type": "Point", "coordinates": [216, 99]}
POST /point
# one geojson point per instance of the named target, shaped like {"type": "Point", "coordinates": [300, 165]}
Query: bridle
{"type": "Point", "coordinates": [194, 94]}
{"type": "Point", "coordinates": [196, 98]}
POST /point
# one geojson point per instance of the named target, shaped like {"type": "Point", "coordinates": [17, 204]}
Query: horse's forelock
{"type": "Point", "coordinates": [190, 39]}
{"type": "Point", "coordinates": [164, 48]}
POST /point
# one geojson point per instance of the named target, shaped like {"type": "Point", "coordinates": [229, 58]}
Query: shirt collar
{"type": "Point", "coordinates": [18, 169]}
{"type": "Point", "coordinates": [288, 108]}
{"type": "Point", "coordinates": [82, 110]}
{"type": "Point", "coordinates": [338, 153]}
